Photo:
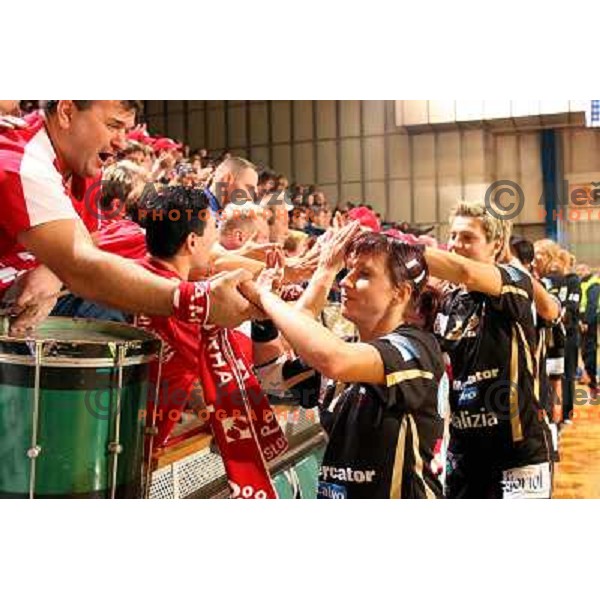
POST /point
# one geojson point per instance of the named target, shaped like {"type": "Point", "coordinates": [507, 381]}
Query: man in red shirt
{"type": "Point", "coordinates": [178, 247]}
{"type": "Point", "coordinates": [73, 140]}
{"type": "Point", "coordinates": [175, 249]}
{"type": "Point", "coordinates": [29, 135]}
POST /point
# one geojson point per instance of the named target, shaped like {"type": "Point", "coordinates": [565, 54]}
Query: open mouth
{"type": "Point", "coordinates": [104, 156]}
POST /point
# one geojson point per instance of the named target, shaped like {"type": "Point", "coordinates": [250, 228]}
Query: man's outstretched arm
{"type": "Point", "coordinates": [65, 247]}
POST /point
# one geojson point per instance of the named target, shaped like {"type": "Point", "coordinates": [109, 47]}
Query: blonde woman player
{"type": "Point", "coordinates": [500, 445]}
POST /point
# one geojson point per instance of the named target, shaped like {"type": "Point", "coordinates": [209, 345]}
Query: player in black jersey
{"type": "Point", "coordinates": [523, 255]}
{"type": "Point", "coordinates": [549, 268]}
{"type": "Point", "coordinates": [499, 441]}
{"type": "Point", "coordinates": [379, 397]}
{"type": "Point", "coordinates": [571, 322]}
{"type": "Point", "coordinates": [551, 345]}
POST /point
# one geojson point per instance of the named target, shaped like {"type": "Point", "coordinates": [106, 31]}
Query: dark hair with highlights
{"type": "Point", "coordinates": [405, 263]}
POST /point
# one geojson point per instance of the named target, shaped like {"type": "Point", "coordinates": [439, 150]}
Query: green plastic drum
{"type": "Point", "coordinates": [73, 426]}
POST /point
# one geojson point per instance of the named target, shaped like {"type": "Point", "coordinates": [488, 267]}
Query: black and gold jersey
{"type": "Point", "coordinates": [385, 440]}
{"type": "Point", "coordinates": [497, 422]}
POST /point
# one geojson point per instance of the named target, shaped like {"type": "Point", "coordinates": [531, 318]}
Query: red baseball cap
{"type": "Point", "coordinates": [367, 218]}
{"type": "Point", "coordinates": [166, 144]}
{"type": "Point", "coordinates": [137, 135]}
{"type": "Point", "coordinates": [140, 134]}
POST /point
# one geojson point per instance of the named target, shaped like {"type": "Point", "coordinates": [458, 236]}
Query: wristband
{"type": "Point", "coordinates": [191, 301]}
{"type": "Point", "coordinates": [263, 331]}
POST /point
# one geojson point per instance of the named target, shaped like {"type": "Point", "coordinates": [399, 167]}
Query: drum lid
{"type": "Point", "coordinates": [80, 342]}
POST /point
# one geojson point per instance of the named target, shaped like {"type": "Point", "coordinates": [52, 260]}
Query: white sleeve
{"type": "Point", "coordinates": [43, 190]}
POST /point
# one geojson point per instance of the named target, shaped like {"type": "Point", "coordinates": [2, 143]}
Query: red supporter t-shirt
{"type": "Point", "coordinates": [180, 366]}
{"type": "Point", "coordinates": [122, 237]}
{"type": "Point", "coordinates": [34, 190]}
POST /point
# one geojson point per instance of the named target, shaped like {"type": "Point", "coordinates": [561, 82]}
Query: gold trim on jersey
{"type": "Point", "coordinates": [418, 460]}
{"type": "Point", "coordinates": [400, 376]}
{"type": "Point", "coordinates": [299, 378]}
{"type": "Point", "coordinates": [515, 417]}
{"type": "Point", "coordinates": [398, 472]}
{"type": "Point", "coordinates": [512, 289]}
{"type": "Point", "coordinates": [539, 365]}
{"type": "Point", "coordinates": [528, 353]}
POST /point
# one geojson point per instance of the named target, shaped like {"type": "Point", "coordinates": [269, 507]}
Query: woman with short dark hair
{"type": "Point", "coordinates": [379, 398]}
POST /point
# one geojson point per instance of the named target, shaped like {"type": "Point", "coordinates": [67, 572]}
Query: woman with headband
{"type": "Point", "coordinates": [379, 397]}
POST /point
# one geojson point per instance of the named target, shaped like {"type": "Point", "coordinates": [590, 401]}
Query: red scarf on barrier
{"type": "Point", "coordinates": [244, 425]}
